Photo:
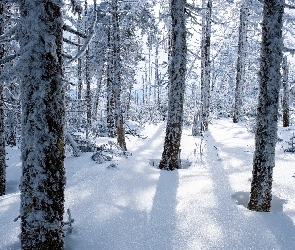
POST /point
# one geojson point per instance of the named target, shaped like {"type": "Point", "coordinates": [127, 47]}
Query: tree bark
{"type": "Point", "coordinates": [240, 62]}
{"type": "Point", "coordinates": [177, 71]}
{"type": "Point", "coordinates": [286, 90]}
{"type": "Point", "coordinates": [205, 65]}
{"type": "Point", "coordinates": [80, 81]}
{"type": "Point", "coordinates": [119, 119]}
{"type": "Point", "coordinates": [88, 95]}
{"type": "Point", "coordinates": [2, 135]}
{"type": "Point", "coordinates": [42, 97]}
{"type": "Point", "coordinates": [268, 103]}
{"type": "Point", "coordinates": [110, 79]}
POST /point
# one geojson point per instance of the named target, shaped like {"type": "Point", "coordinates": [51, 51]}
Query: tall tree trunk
{"type": "Point", "coordinates": [88, 94]}
{"type": "Point", "coordinates": [119, 119]}
{"type": "Point", "coordinates": [80, 81]}
{"type": "Point", "coordinates": [97, 94]}
{"type": "Point", "coordinates": [110, 91]}
{"type": "Point", "coordinates": [177, 71]}
{"type": "Point", "coordinates": [43, 112]}
{"type": "Point", "coordinates": [268, 102]}
{"type": "Point", "coordinates": [285, 101]}
{"type": "Point", "coordinates": [157, 78]}
{"type": "Point", "coordinates": [240, 62]}
{"type": "Point", "coordinates": [2, 135]}
{"type": "Point", "coordinates": [205, 65]}
{"type": "Point", "coordinates": [88, 83]}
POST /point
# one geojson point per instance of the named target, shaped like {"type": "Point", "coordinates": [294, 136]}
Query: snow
{"type": "Point", "coordinates": [137, 206]}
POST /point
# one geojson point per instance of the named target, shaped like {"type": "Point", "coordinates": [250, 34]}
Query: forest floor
{"type": "Point", "coordinates": [137, 206]}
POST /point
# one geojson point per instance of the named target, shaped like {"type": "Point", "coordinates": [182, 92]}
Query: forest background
{"type": "Point", "coordinates": [84, 71]}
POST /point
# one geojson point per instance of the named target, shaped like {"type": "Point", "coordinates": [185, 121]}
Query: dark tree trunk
{"type": "Point", "coordinates": [117, 88]}
{"type": "Point", "coordinates": [240, 63]}
{"type": "Point", "coordinates": [80, 81]}
{"type": "Point", "coordinates": [267, 110]}
{"type": "Point", "coordinates": [42, 97]}
{"type": "Point", "coordinates": [2, 145]}
{"type": "Point", "coordinates": [177, 71]}
{"type": "Point", "coordinates": [88, 94]}
{"type": "Point", "coordinates": [88, 83]}
{"type": "Point", "coordinates": [110, 92]}
{"type": "Point", "coordinates": [2, 136]}
{"type": "Point", "coordinates": [205, 65]}
{"type": "Point", "coordinates": [285, 101]}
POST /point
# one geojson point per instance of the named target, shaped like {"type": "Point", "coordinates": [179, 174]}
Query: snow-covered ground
{"type": "Point", "coordinates": [137, 206]}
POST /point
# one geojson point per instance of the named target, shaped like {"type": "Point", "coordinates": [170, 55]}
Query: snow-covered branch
{"type": "Point", "coordinates": [289, 6]}
{"type": "Point", "coordinates": [73, 31]}
{"type": "Point", "coordinates": [193, 8]}
{"type": "Point", "coordinates": [71, 42]}
{"type": "Point", "coordinates": [91, 33]}
{"type": "Point", "coordinates": [67, 56]}
{"type": "Point", "coordinates": [290, 50]}
{"type": "Point", "coordinates": [7, 36]}
{"type": "Point", "coordinates": [7, 59]}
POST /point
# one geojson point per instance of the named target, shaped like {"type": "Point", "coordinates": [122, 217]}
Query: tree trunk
{"type": "Point", "coordinates": [119, 119]}
{"type": "Point", "coordinates": [96, 96]}
{"type": "Point", "coordinates": [88, 95]}
{"type": "Point", "coordinates": [2, 135]}
{"type": "Point", "coordinates": [2, 144]}
{"type": "Point", "coordinates": [42, 97]}
{"type": "Point", "coordinates": [240, 62]}
{"type": "Point", "coordinates": [267, 110]}
{"type": "Point", "coordinates": [205, 65]}
{"type": "Point", "coordinates": [110, 92]}
{"type": "Point", "coordinates": [157, 78]}
{"type": "Point", "coordinates": [80, 81]}
{"type": "Point", "coordinates": [88, 84]}
{"type": "Point", "coordinates": [177, 71]}
{"type": "Point", "coordinates": [285, 101]}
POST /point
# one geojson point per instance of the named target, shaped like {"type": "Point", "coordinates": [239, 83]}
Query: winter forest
{"type": "Point", "coordinates": [135, 124]}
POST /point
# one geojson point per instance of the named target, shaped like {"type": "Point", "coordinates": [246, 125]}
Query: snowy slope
{"type": "Point", "coordinates": [137, 206]}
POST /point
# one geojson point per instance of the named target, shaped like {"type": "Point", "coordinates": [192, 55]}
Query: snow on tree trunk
{"type": "Point", "coordinates": [177, 71]}
{"type": "Point", "coordinates": [2, 137]}
{"type": "Point", "coordinates": [88, 83]}
{"type": "Point", "coordinates": [80, 81]}
{"type": "Point", "coordinates": [285, 101]}
{"type": "Point", "coordinates": [2, 145]}
{"type": "Point", "coordinates": [240, 62]}
{"type": "Point", "coordinates": [74, 145]}
{"type": "Point", "coordinates": [205, 64]}
{"type": "Point", "coordinates": [42, 97]}
{"type": "Point", "coordinates": [157, 78]}
{"type": "Point", "coordinates": [267, 110]}
{"type": "Point", "coordinates": [88, 94]}
{"type": "Point", "coordinates": [117, 76]}
{"type": "Point", "coordinates": [110, 93]}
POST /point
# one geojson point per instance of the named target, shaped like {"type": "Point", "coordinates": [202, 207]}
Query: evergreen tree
{"type": "Point", "coordinates": [268, 103]}
{"type": "Point", "coordinates": [42, 98]}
